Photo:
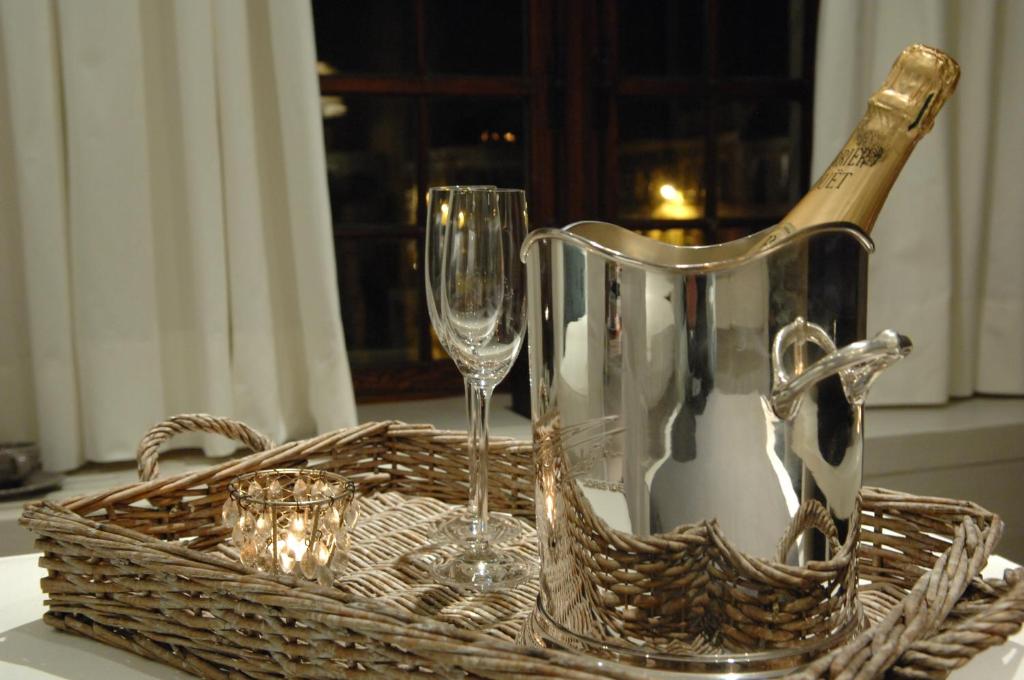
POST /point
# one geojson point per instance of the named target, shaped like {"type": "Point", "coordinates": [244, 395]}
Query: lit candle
{"type": "Point", "coordinates": [288, 521]}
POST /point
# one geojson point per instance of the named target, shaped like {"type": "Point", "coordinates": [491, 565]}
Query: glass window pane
{"type": "Point", "coordinates": [760, 38]}
{"type": "Point", "coordinates": [661, 158]}
{"type": "Point", "coordinates": [381, 299]}
{"type": "Point", "coordinates": [371, 158]}
{"type": "Point", "coordinates": [477, 141]}
{"type": "Point", "coordinates": [474, 37]}
{"type": "Point", "coordinates": [661, 37]}
{"type": "Point", "coordinates": [758, 158]}
{"type": "Point", "coordinates": [365, 36]}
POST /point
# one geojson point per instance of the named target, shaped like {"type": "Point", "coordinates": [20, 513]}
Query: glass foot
{"type": "Point", "coordinates": [464, 529]}
{"type": "Point", "coordinates": [483, 570]}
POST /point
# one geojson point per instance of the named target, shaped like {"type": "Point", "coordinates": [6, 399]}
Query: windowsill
{"type": "Point", "coordinates": [972, 431]}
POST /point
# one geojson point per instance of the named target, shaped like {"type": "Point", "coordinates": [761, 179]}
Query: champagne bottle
{"type": "Point", "coordinates": [856, 184]}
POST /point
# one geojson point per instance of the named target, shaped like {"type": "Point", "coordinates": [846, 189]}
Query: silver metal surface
{"type": "Point", "coordinates": [673, 385]}
{"type": "Point", "coordinates": [629, 248]}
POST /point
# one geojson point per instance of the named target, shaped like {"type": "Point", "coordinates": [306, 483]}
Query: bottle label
{"type": "Point", "coordinates": [859, 156]}
{"type": "Point", "coordinates": [862, 153]}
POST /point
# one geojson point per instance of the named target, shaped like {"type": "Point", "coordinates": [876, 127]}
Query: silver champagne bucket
{"type": "Point", "coordinates": [698, 435]}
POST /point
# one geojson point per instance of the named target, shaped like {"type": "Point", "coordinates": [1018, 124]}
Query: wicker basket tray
{"type": "Point", "coordinates": [145, 568]}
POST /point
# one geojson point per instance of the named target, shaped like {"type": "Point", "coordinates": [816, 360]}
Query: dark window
{"type": "Point", "coordinates": [705, 122]}
{"type": "Point", "coordinates": [480, 38]}
{"type": "Point", "coordinates": [661, 158]}
{"type": "Point", "coordinates": [686, 119]}
{"type": "Point", "coordinates": [662, 37]}
{"type": "Point", "coordinates": [377, 36]}
{"type": "Point", "coordinates": [477, 141]}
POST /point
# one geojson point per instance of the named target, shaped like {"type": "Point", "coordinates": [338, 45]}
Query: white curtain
{"type": "Point", "coordinates": [949, 269]}
{"type": "Point", "coordinates": [165, 236]}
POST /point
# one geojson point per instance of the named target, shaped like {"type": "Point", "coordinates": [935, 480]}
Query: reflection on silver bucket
{"type": "Point", "coordinates": [698, 441]}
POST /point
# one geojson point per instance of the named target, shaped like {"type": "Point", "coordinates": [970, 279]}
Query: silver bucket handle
{"type": "Point", "coordinates": [857, 364]}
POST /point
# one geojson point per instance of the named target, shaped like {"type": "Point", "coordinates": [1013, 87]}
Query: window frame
{"type": "Point", "coordinates": [594, 100]}
{"type": "Point", "coordinates": [570, 84]}
{"type": "Point", "coordinates": [427, 377]}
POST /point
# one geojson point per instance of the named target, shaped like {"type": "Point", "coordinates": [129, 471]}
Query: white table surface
{"type": "Point", "coordinates": [29, 649]}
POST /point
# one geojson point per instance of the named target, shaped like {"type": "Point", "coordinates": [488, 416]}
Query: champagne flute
{"type": "Point", "coordinates": [464, 527]}
{"type": "Point", "coordinates": [483, 302]}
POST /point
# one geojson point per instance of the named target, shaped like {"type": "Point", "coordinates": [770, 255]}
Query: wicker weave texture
{"type": "Point", "coordinates": [143, 567]}
{"type": "Point", "coordinates": [688, 591]}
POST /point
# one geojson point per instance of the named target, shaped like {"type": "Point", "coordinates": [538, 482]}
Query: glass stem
{"type": "Point", "coordinates": [482, 404]}
{"type": "Point", "coordinates": [472, 434]}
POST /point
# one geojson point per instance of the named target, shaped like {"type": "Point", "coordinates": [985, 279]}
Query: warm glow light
{"type": "Point", "coordinates": [284, 559]}
{"type": "Point", "coordinates": [444, 212]}
{"type": "Point", "coordinates": [284, 525]}
{"type": "Point", "coordinates": [291, 544]}
{"type": "Point", "coordinates": [670, 193]}
{"type": "Point", "coordinates": [461, 219]}
{"type": "Point", "coordinates": [332, 107]}
{"type": "Point", "coordinates": [674, 205]}
{"type": "Point", "coordinates": [510, 137]}
{"type": "Point", "coordinates": [297, 543]}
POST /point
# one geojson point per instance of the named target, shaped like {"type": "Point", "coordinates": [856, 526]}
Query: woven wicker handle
{"type": "Point", "coordinates": [955, 646]}
{"type": "Point", "coordinates": [147, 452]}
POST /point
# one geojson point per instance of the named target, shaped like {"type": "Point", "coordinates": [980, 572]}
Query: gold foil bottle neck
{"type": "Point", "coordinates": [899, 114]}
{"type": "Point", "coordinates": [921, 80]}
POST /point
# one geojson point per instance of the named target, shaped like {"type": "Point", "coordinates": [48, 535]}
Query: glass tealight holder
{"type": "Point", "coordinates": [292, 521]}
